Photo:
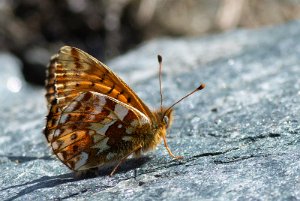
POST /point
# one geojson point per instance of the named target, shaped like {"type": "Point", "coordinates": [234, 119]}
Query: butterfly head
{"type": "Point", "coordinates": [165, 117]}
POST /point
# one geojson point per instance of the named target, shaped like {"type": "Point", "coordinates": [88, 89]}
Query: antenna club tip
{"type": "Point", "coordinates": [159, 58]}
{"type": "Point", "coordinates": [202, 86]}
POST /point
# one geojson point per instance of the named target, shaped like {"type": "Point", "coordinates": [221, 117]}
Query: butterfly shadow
{"type": "Point", "coordinates": [126, 166]}
{"type": "Point", "coordinates": [40, 183]}
{"type": "Point", "coordinates": [22, 159]}
{"type": "Point", "coordinates": [45, 182]}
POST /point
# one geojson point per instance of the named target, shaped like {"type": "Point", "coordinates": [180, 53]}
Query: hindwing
{"type": "Point", "coordinates": [94, 129]}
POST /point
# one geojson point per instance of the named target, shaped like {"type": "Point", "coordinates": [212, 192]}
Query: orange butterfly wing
{"type": "Point", "coordinates": [72, 71]}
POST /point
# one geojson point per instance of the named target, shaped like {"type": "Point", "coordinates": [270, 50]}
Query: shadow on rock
{"type": "Point", "coordinates": [52, 181]}
{"type": "Point", "coordinates": [43, 182]}
{"type": "Point", "coordinates": [129, 164]}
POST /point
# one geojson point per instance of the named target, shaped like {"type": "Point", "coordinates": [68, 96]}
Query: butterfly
{"type": "Point", "coordinates": [94, 117]}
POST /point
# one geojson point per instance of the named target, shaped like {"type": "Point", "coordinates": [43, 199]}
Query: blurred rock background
{"type": "Point", "coordinates": [33, 30]}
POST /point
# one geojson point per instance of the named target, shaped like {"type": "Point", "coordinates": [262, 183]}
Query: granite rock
{"type": "Point", "coordinates": [240, 136]}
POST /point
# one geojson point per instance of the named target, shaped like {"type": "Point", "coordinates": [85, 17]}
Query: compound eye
{"type": "Point", "coordinates": [166, 120]}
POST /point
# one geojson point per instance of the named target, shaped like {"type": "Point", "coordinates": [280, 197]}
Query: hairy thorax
{"type": "Point", "coordinates": [161, 123]}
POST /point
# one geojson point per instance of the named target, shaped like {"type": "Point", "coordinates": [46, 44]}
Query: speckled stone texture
{"type": "Point", "coordinates": [239, 136]}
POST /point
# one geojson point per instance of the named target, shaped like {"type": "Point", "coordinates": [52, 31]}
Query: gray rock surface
{"type": "Point", "coordinates": [240, 136]}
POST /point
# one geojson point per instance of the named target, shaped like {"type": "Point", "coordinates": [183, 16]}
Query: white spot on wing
{"type": "Point", "coordinates": [98, 138]}
{"type": "Point", "coordinates": [57, 132]}
{"type": "Point", "coordinates": [54, 145]}
{"type": "Point", "coordinates": [102, 145]}
{"type": "Point", "coordinates": [102, 100]}
{"type": "Point", "coordinates": [120, 111]}
{"type": "Point", "coordinates": [104, 128]}
{"type": "Point", "coordinates": [64, 118]}
{"type": "Point", "coordinates": [120, 126]}
{"type": "Point", "coordinates": [99, 106]}
{"type": "Point", "coordinates": [50, 137]}
{"type": "Point", "coordinates": [82, 160]}
{"type": "Point", "coordinates": [60, 156]}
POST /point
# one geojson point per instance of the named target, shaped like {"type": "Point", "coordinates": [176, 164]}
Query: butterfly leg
{"type": "Point", "coordinates": [169, 150]}
{"type": "Point", "coordinates": [123, 159]}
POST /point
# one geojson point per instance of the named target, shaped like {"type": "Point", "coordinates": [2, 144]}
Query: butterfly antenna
{"type": "Point", "coordinates": [159, 58]}
{"type": "Point", "coordinates": [202, 86]}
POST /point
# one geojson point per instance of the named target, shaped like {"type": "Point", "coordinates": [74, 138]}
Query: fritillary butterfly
{"type": "Point", "coordinates": [94, 117]}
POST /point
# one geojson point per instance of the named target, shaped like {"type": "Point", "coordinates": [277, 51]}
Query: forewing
{"type": "Point", "coordinates": [94, 129]}
{"type": "Point", "coordinates": [73, 71]}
